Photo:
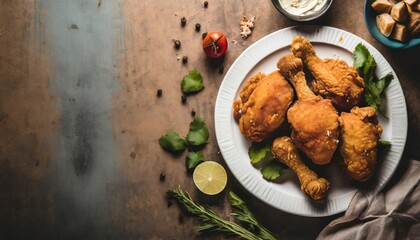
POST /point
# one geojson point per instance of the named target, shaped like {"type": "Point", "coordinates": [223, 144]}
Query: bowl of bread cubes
{"type": "Point", "coordinates": [394, 23]}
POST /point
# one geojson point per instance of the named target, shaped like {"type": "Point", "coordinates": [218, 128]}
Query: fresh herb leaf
{"type": "Point", "coordinates": [199, 133]}
{"type": "Point", "coordinates": [272, 171]}
{"type": "Point", "coordinates": [366, 67]}
{"type": "Point", "coordinates": [192, 82]}
{"type": "Point", "coordinates": [193, 159]}
{"type": "Point", "coordinates": [209, 219]}
{"type": "Point", "coordinates": [375, 89]}
{"type": "Point", "coordinates": [384, 145]}
{"type": "Point", "coordinates": [260, 153]}
{"type": "Point", "coordinates": [384, 82]}
{"type": "Point", "coordinates": [242, 214]}
{"type": "Point", "coordinates": [369, 70]}
{"type": "Point", "coordinates": [360, 56]}
{"type": "Point", "coordinates": [172, 141]}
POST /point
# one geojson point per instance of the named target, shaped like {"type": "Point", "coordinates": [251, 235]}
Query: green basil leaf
{"type": "Point", "coordinates": [366, 66]}
{"type": "Point", "coordinates": [172, 141]}
{"type": "Point", "coordinates": [260, 153]}
{"type": "Point", "coordinates": [384, 145]}
{"type": "Point", "coordinates": [199, 133]}
{"type": "Point", "coordinates": [384, 82]}
{"type": "Point", "coordinates": [272, 171]}
{"type": "Point", "coordinates": [193, 159]}
{"type": "Point", "coordinates": [192, 82]}
{"type": "Point", "coordinates": [360, 56]}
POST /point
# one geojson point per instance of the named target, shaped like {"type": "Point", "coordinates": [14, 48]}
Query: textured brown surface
{"type": "Point", "coordinates": [40, 198]}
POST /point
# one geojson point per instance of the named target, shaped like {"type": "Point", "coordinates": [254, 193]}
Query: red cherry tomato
{"type": "Point", "coordinates": [215, 44]}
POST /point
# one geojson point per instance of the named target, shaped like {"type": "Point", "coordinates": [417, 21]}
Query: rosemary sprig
{"type": "Point", "coordinates": [242, 213]}
{"type": "Point", "coordinates": [210, 220]}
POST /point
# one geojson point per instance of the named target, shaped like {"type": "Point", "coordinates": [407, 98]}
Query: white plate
{"type": "Point", "coordinates": [286, 195]}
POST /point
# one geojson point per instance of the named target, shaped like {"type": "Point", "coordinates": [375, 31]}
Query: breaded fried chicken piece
{"type": "Point", "coordinates": [287, 153]}
{"type": "Point", "coordinates": [263, 105]}
{"type": "Point", "coordinates": [360, 133]}
{"type": "Point", "coordinates": [314, 120]}
{"type": "Point", "coordinates": [334, 78]}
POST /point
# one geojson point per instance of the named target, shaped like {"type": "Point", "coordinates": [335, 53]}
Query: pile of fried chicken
{"type": "Point", "coordinates": [325, 117]}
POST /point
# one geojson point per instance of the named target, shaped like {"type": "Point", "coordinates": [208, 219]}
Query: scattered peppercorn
{"type": "Point", "coordinates": [206, 4]}
{"type": "Point", "coordinates": [221, 69]}
{"type": "Point", "coordinates": [204, 35]}
{"type": "Point", "coordinates": [159, 92]}
{"type": "Point", "coordinates": [183, 21]}
{"type": "Point", "coordinates": [162, 177]}
{"type": "Point", "coordinates": [184, 59]}
{"type": "Point", "coordinates": [193, 112]}
{"type": "Point", "coordinates": [183, 98]}
{"type": "Point", "coordinates": [177, 44]}
{"type": "Point", "coordinates": [133, 155]}
{"type": "Point", "coordinates": [197, 27]}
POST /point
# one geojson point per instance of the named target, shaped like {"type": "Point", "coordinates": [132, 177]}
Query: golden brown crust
{"type": "Point", "coordinates": [334, 78]}
{"type": "Point", "coordinates": [314, 120]}
{"type": "Point", "coordinates": [360, 133]}
{"type": "Point", "coordinates": [315, 128]}
{"type": "Point", "coordinates": [287, 153]}
{"type": "Point", "coordinates": [265, 107]}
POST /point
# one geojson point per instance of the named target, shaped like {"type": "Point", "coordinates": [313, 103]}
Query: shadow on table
{"type": "Point", "coordinates": [285, 225]}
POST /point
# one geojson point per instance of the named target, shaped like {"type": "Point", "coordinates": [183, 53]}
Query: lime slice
{"type": "Point", "coordinates": [210, 177]}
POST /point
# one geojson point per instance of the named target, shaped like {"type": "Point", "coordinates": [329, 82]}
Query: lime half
{"type": "Point", "coordinates": [210, 177]}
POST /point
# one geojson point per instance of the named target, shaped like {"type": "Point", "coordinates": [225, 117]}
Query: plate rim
{"type": "Point", "coordinates": [401, 132]}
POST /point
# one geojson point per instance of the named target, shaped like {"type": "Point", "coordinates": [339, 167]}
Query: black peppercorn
{"type": "Point", "coordinates": [197, 27]}
{"type": "Point", "coordinates": [159, 92]}
{"type": "Point", "coordinates": [184, 59]}
{"type": "Point", "coordinates": [177, 44]}
{"type": "Point", "coordinates": [183, 21]}
{"type": "Point", "coordinates": [183, 98]}
{"type": "Point", "coordinates": [193, 112]}
{"type": "Point", "coordinates": [221, 69]}
{"type": "Point", "coordinates": [206, 4]}
{"type": "Point", "coordinates": [204, 35]}
{"type": "Point", "coordinates": [162, 177]}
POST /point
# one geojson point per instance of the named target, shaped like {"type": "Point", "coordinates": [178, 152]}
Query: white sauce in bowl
{"type": "Point", "coordinates": [302, 7]}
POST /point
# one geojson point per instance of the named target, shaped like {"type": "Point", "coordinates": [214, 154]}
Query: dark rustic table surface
{"type": "Point", "coordinates": [80, 119]}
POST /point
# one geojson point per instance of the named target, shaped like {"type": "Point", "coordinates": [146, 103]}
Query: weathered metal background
{"type": "Point", "coordinates": [80, 119]}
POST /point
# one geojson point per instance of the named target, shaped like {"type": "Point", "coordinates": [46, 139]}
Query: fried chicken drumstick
{"type": "Point", "coordinates": [314, 120]}
{"type": "Point", "coordinates": [263, 104]}
{"type": "Point", "coordinates": [360, 133]}
{"type": "Point", "coordinates": [334, 78]}
{"type": "Point", "coordinates": [287, 153]}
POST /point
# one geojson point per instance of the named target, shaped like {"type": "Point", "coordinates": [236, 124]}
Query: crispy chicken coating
{"type": "Point", "coordinates": [287, 153]}
{"type": "Point", "coordinates": [334, 78]}
{"type": "Point", "coordinates": [263, 104]}
{"type": "Point", "coordinates": [314, 120]}
{"type": "Point", "coordinates": [360, 133]}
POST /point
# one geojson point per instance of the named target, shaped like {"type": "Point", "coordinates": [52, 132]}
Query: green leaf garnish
{"type": "Point", "coordinates": [193, 159]}
{"type": "Point", "coordinates": [260, 153]}
{"type": "Point", "coordinates": [172, 141]}
{"type": "Point", "coordinates": [272, 171]}
{"type": "Point", "coordinates": [199, 133]}
{"type": "Point", "coordinates": [192, 82]}
{"type": "Point", "coordinates": [360, 56]}
{"type": "Point", "coordinates": [366, 67]}
{"type": "Point", "coordinates": [384, 145]}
